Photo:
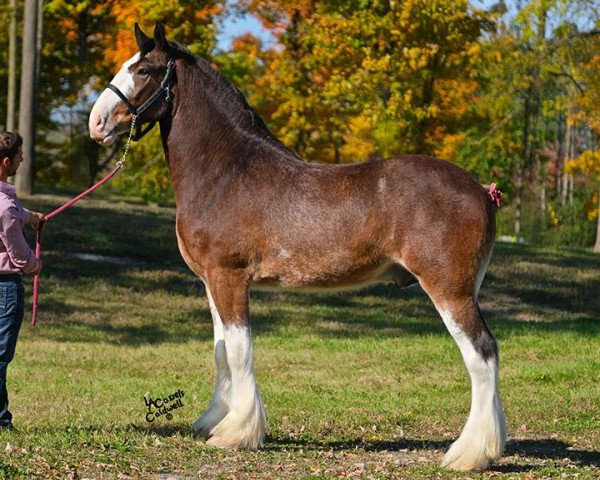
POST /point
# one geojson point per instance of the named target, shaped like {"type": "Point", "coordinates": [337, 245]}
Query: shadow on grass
{"type": "Point", "coordinates": [566, 281]}
{"type": "Point", "coordinates": [379, 312]}
{"type": "Point", "coordinates": [523, 284]}
{"type": "Point", "coordinates": [546, 449]}
{"type": "Point", "coordinates": [525, 450]}
{"type": "Point", "coordinates": [134, 335]}
{"type": "Point", "coordinates": [139, 233]}
{"type": "Point", "coordinates": [543, 449]}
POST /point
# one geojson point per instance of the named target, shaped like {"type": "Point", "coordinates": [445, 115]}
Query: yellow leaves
{"type": "Point", "coordinates": [554, 219]}
{"type": "Point", "coordinates": [587, 163]}
{"type": "Point", "coordinates": [418, 57]}
{"type": "Point", "coordinates": [592, 207]}
{"type": "Point", "coordinates": [359, 144]}
{"type": "Point", "coordinates": [406, 72]}
{"type": "Point", "coordinates": [450, 146]}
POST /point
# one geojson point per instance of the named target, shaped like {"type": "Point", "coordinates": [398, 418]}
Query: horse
{"type": "Point", "coordinates": [250, 213]}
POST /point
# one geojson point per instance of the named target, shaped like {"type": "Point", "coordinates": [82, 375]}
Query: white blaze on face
{"type": "Point", "coordinates": [103, 126]}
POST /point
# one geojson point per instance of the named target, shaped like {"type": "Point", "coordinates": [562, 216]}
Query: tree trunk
{"type": "Point", "coordinates": [523, 163]}
{"type": "Point", "coordinates": [561, 154]}
{"type": "Point", "coordinates": [519, 201]}
{"type": "Point", "coordinates": [565, 177]}
{"type": "Point", "coordinates": [597, 246]}
{"type": "Point", "coordinates": [39, 43]}
{"type": "Point", "coordinates": [11, 103]}
{"type": "Point", "coordinates": [27, 104]}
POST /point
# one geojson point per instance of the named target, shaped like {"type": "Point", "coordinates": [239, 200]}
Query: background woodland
{"type": "Point", "coordinates": [510, 91]}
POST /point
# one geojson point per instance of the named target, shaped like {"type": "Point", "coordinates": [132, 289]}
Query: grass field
{"type": "Point", "coordinates": [347, 379]}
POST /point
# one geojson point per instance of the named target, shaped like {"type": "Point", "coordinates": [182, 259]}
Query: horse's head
{"type": "Point", "coordinates": [140, 88]}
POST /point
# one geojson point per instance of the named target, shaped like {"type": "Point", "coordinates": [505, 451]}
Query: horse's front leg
{"type": "Point", "coordinates": [236, 417]}
{"type": "Point", "coordinates": [221, 400]}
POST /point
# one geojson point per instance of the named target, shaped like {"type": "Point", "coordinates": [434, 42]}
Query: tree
{"type": "Point", "coordinates": [27, 103]}
{"type": "Point", "coordinates": [588, 163]}
{"type": "Point", "coordinates": [523, 130]}
{"type": "Point", "coordinates": [11, 104]}
{"type": "Point", "coordinates": [587, 107]}
{"type": "Point", "coordinates": [353, 80]}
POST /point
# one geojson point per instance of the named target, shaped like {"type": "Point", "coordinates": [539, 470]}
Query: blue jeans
{"type": "Point", "coordinates": [12, 308]}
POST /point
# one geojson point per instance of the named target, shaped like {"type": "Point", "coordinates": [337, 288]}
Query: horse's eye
{"type": "Point", "coordinates": [143, 72]}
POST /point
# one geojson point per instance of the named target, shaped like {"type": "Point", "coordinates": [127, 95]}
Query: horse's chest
{"type": "Point", "coordinates": [189, 250]}
{"type": "Point", "coordinates": [206, 247]}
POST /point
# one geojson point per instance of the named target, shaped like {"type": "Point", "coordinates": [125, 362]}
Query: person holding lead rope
{"type": "Point", "coordinates": [16, 258]}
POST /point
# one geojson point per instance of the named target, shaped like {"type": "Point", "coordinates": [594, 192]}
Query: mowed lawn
{"type": "Point", "coordinates": [362, 384]}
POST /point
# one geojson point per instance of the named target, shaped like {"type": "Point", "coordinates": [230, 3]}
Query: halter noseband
{"type": "Point", "coordinates": [136, 111]}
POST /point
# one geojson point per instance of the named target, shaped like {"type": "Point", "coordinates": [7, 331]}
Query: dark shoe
{"type": "Point", "coordinates": [7, 426]}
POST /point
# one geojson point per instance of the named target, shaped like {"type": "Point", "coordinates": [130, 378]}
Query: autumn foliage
{"type": "Point", "coordinates": [512, 95]}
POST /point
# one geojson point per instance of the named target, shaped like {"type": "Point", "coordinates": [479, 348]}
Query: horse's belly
{"type": "Point", "coordinates": [304, 277]}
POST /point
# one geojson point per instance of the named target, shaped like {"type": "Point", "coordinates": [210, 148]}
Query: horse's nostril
{"type": "Point", "coordinates": [96, 126]}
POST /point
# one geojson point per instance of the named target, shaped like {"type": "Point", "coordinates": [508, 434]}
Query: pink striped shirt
{"type": "Point", "coordinates": [15, 254]}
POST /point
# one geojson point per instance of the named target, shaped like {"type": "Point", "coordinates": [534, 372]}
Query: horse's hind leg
{"type": "Point", "coordinates": [242, 421]}
{"type": "Point", "coordinates": [221, 400]}
{"type": "Point", "coordinates": [484, 435]}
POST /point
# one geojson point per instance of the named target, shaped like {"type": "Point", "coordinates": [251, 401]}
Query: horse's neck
{"type": "Point", "coordinates": [204, 139]}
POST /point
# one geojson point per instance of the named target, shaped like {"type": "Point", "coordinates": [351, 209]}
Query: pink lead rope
{"type": "Point", "coordinates": [38, 236]}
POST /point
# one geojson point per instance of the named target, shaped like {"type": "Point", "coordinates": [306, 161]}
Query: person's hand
{"type": "Point", "coordinates": [37, 220]}
{"type": "Point", "coordinates": [39, 269]}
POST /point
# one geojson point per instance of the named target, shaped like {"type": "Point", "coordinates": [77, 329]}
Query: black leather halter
{"type": "Point", "coordinates": [164, 89]}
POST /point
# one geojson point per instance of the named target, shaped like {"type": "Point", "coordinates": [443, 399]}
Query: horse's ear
{"type": "Point", "coordinates": [160, 39]}
{"type": "Point", "coordinates": [140, 37]}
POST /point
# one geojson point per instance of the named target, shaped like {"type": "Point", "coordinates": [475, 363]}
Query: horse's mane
{"type": "Point", "coordinates": [230, 98]}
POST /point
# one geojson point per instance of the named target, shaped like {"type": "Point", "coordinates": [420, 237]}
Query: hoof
{"type": "Point", "coordinates": [468, 457]}
{"type": "Point", "coordinates": [201, 430]}
{"type": "Point", "coordinates": [231, 443]}
{"type": "Point", "coordinates": [465, 466]}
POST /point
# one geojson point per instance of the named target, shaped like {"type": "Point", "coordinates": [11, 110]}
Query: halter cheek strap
{"type": "Point", "coordinates": [164, 89]}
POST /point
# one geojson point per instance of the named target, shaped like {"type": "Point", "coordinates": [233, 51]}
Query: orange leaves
{"type": "Point", "coordinates": [206, 14]}
{"type": "Point", "coordinates": [125, 13]}
{"type": "Point", "coordinates": [125, 47]}
{"type": "Point", "coordinates": [187, 22]}
{"type": "Point", "coordinates": [450, 146]}
{"type": "Point", "coordinates": [248, 44]}
{"type": "Point", "coordinates": [69, 27]}
{"type": "Point", "coordinates": [121, 45]}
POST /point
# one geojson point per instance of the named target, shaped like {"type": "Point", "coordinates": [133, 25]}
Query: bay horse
{"type": "Point", "coordinates": [251, 213]}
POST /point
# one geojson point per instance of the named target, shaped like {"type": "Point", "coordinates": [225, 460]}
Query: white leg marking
{"type": "Point", "coordinates": [220, 403]}
{"type": "Point", "coordinates": [244, 426]}
{"type": "Point", "coordinates": [484, 435]}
